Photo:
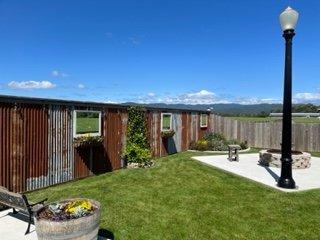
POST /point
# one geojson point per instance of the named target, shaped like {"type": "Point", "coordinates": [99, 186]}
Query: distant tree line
{"type": "Point", "coordinates": [87, 114]}
{"type": "Point", "coordinates": [301, 108]}
{"type": "Point", "coordinates": [296, 108]}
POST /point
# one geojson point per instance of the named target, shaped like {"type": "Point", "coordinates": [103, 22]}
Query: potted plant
{"type": "Point", "coordinates": [87, 141]}
{"type": "Point", "coordinates": [69, 219]}
{"type": "Point", "coordinates": [167, 134]}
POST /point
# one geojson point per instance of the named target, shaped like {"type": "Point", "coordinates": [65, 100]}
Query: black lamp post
{"type": "Point", "coordinates": [288, 21]}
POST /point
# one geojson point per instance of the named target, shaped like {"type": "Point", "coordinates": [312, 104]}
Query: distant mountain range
{"type": "Point", "coordinates": [231, 109]}
{"type": "Point", "coordinates": [223, 109]}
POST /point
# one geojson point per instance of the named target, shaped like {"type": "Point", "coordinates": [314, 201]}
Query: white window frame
{"type": "Point", "coordinates": [75, 123]}
{"type": "Point", "coordinates": [166, 130]}
{"type": "Point", "coordinates": [206, 124]}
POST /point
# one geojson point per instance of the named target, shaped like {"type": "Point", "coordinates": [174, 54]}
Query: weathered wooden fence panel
{"type": "Point", "coordinates": [305, 137]}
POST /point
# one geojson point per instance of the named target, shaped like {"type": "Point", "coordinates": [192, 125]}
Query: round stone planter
{"type": "Point", "coordinates": [84, 228]}
{"type": "Point", "coordinates": [272, 158]}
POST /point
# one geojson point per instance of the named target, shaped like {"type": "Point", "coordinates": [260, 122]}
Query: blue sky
{"type": "Point", "coordinates": [156, 51]}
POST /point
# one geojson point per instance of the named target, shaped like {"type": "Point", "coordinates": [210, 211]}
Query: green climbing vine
{"type": "Point", "coordinates": [137, 147]}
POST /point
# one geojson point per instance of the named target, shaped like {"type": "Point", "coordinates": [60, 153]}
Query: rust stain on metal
{"type": "Point", "coordinates": [36, 141]}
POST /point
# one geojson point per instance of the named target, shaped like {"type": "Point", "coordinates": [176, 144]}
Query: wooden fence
{"type": "Point", "coordinates": [306, 137]}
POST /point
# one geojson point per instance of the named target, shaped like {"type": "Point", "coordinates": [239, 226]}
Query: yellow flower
{"type": "Point", "coordinates": [82, 204]}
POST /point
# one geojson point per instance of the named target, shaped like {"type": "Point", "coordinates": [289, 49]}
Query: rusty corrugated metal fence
{"type": "Point", "coordinates": [36, 140]}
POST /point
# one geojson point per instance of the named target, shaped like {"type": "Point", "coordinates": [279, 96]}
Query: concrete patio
{"type": "Point", "coordinates": [248, 167]}
{"type": "Point", "coordinates": [13, 227]}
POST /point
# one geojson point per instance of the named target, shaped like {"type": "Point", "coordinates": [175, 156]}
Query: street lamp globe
{"type": "Point", "coordinates": [288, 19]}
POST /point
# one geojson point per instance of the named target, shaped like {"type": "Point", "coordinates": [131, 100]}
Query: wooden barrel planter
{"type": "Point", "coordinates": [83, 228]}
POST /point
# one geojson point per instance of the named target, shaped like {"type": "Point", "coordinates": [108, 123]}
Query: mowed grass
{"type": "Point", "coordinates": [181, 198]}
{"type": "Point", "coordinates": [316, 154]}
{"type": "Point", "coordinates": [307, 120]}
{"type": "Point", "coordinates": [87, 125]}
{"type": "Point", "coordinates": [273, 119]}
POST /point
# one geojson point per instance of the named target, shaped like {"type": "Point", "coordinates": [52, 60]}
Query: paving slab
{"type": "Point", "coordinates": [13, 227]}
{"type": "Point", "coordinates": [248, 167]}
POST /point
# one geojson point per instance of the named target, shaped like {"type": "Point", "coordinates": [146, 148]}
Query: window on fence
{"type": "Point", "coordinates": [86, 122]}
{"type": "Point", "coordinates": [203, 120]}
{"type": "Point", "coordinates": [166, 122]}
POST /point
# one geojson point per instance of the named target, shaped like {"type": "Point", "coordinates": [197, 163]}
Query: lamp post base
{"type": "Point", "coordinates": [288, 183]}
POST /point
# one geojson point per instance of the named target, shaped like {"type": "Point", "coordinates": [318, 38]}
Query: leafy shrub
{"type": "Point", "coordinates": [215, 142]}
{"type": "Point", "coordinates": [214, 136]}
{"type": "Point", "coordinates": [136, 154]}
{"type": "Point", "coordinates": [137, 148]}
{"type": "Point", "coordinates": [244, 145]}
{"type": "Point", "coordinates": [201, 145]}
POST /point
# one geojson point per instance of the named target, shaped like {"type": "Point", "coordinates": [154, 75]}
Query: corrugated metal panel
{"type": "Point", "coordinates": [113, 137]}
{"type": "Point", "coordinates": [23, 148]}
{"type": "Point", "coordinates": [6, 115]}
{"type": "Point", "coordinates": [36, 147]}
{"type": "Point", "coordinates": [160, 151]}
{"type": "Point", "coordinates": [185, 135]}
{"type": "Point", "coordinates": [56, 164]}
{"type": "Point", "coordinates": [153, 131]}
{"type": "Point", "coordinates": [36, 142]}
{"type": "Point", "coordinates": [194, 126]}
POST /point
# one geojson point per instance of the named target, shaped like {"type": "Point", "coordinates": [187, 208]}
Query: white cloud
{"type": "Point", "coordinates": [81, 86]}
{"type": "Point", "coordinates": [200, 97]}
{"type": "Point", "coordinates": [31, 85]}
{"type": "Point", "coordinates": [57, 73]}
{"type": "Point", "coordinates": [111, 102]}
{"type": "Point", "coordinates": [307, 96]}
{"type": "Point", "coordinates": [208, 97]}
{"type": "Point", "coordinates": [250, 101]}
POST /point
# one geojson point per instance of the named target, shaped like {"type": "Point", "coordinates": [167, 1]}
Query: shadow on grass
{"type": "Point", "coordinates": [105, 234]}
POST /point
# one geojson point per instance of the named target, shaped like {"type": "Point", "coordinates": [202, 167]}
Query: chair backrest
{"type": "Point", "coordinates": [12, 199]}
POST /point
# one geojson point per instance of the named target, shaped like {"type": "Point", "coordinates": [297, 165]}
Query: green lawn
{"type": "Point", "coordinates": [183, 199]}
{"type": "Point", "coordinates": [87, 125]}
{"type": "Point", "coordinates": [255, 119]}
{"type": "Point", "coordinates": [316, 154]}
{"type": "Point", "coordinates": [306, 120]}
{"type": "Point", "coordinates": [272, 119]}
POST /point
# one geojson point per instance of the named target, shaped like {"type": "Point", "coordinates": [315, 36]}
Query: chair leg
{"type": "Point", "coordinates": [14, 211]}
{"type": "Point", "coordinates": [29, 224]}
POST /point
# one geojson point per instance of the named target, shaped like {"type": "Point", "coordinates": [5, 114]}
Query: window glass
{"type": "Point", "coordinates": [87, 122]}
{"type": "Point", "coordinates": [166, 121]}
{"type": "Point", "coordinates": [204, 120]}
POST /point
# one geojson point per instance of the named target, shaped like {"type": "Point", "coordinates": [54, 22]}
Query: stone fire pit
{"type": "Point", "coordinates": [272, 158]}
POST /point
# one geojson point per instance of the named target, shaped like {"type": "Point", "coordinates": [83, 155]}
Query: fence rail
{"type": "Point", "coordinates": [305, 137]}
